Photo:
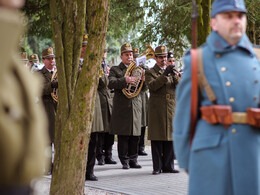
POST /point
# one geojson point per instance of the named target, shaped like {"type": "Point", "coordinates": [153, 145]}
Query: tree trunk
{"type": "Point", "coordinates": [204, 29]}
{"type": "Point", "coordinates": [77, 92]}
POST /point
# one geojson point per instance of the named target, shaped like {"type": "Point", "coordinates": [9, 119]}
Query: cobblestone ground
{"type": "Point", "coordinates": [113, 180]}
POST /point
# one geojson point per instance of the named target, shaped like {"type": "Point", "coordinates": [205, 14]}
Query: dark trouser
{"type": "Point", "coordinates": [91, 154]}
{"type": "Point", "coordinates": [17, 190]}
{"type": "Point", "coordinates": [127, 148]}
{"type": "Point", "coordinates": [141, 142]}
{"type": "Point", "coordinates": [104, 145]}
{"type": "Point", "coordinates": [162, 155]}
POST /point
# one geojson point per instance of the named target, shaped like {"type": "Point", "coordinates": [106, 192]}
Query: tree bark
{"type": "Point", "coordinates": [204, 29]}
{"type": "Point", "coordinates": [76, 93]}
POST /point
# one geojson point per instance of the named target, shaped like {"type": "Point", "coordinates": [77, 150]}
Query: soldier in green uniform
{"type": "Point", "coordinates": [105, 139]}
{"type": "Point", "coordinates": [144, 121]}
{"type": "Point", "coordinates": [23, 135]}
{"type": "Point", "coordinates": [161, 81]}
{"type": "Point", "coordinates": [48, 86]}
{"type": "Point", "coordinates": [126, 114]}
{"type": "Point", "coordinates": [24, 59]}
{"type": "Point", "coordinates": [97, 125]}
{"type": "Point", "coordinates": [34, 62]}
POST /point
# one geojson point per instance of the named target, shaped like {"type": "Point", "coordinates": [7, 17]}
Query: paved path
{"type": "Point", "coordinates": [112, 179]}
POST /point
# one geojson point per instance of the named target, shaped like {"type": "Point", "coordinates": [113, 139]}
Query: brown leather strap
{"type": "Point", "coordinates": [203, 82]}
{"type": "Point", "coordinates": [194, 92]}
{"type": "Point", "coordinates": [257, 52]}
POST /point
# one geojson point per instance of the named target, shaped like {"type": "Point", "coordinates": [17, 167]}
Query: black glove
{"type": "Point", "coordinates": [168, 70]}
{"type": "Point", "coordinates": [54, 84]}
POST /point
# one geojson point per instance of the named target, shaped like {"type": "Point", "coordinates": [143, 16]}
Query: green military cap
{"type": "Point", "coordinates": [33, 58]}
{"type": "Point", "coordinates": [24, 56]}
{"type": "Point", "coordinates": [136, 52]}
{"type": "Point", "coordinates": [161, 50]}
{"type": "Point", "coordinates": [48, 53]}
{"type": "Point", "coordinates": [126, 47]}
{"type": "Point", "coordinates": [85, 39]}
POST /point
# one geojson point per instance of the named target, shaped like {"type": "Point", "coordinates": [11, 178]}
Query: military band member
{"type": "Point", "coordinates": [24, 59]}
{"type": "Point", "coordinates": [48, 59]}
{"type": "Point", "coordinates": [170, 59]}
{"type": "Point", "coordinates": [97, 127]}
{"type": "Point", "coordinates": [83, 50]}
{"type": "Point", "coordinates": [144, 121]}
{"type": "Point", "coordinates": [161, 81]}
{"type": "Point", "coordinates": [105, 139]}
{"type": "Point", "coordinates": [23, 126]}
{"type": "Point", "coordinates": [34, 62]}
{"type": "Point", "coordinates": [97, 124]}
{"type": "Point", "coordinates": [126, 113]}
{"type": "Point", "coordinates": [224, 157]}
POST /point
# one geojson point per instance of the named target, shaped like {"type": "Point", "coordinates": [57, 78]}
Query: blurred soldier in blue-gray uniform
{"type": "Point", "coordinates": [224, 157]}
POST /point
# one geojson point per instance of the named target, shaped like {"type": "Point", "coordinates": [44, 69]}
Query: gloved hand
{"type": "Point", "coordinates": [168, 70]}
{"type": "Point", "coordinates": [54, 84]}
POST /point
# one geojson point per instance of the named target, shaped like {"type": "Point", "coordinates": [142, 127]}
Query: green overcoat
{"type": "Point", "coordinates": [161, 103]}
{"type": "Point", "coordinates": [49, 104]}
{"type": "Point", "coordinates": [127, 113]}
{"type": "Point", "coordinates": [144, 98]}
{"type": "Point", "coordinates": [97, 124]}
{"type": "Point", "coordinates": [105, 101]}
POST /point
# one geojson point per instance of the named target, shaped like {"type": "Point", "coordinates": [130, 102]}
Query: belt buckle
{"type": "Point", "coordinates": [168, 96]}
{"type": "Point", "coordinates": [239, 117]}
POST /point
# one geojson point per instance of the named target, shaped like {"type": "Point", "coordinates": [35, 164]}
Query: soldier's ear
{"type": "Point", "coordinates": [213, 24]}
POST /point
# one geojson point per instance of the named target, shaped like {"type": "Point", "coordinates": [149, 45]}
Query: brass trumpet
{"type": "Point", "coordinates": [177, 73]}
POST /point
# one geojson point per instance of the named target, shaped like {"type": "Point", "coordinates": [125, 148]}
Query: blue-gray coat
{"type": "Point", "coordinates": [221, 161]}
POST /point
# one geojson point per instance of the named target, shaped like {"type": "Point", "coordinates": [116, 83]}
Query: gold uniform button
{"type": "Point", "coordinates": [223, 69]}
{"type": "Point", "coordinates": [255, 97]}
{"type": "Point", "coordinates": [234, 130]}
{"type": "Point", "coordinates": [228, 83]}
{"type": "Point", "coordinates": [218, 55]}
{"type": "Point", "coordinates": [256, 81]}
{"type": "Point", "coordinates": [231, 99]}
{"type": "Point", "coordinates": [255, 67]}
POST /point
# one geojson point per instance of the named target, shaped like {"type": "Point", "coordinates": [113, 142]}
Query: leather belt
{"type": "Point", "coordinates": [167, 96]}
{"type": "Point", "coordinates": [223, 114]}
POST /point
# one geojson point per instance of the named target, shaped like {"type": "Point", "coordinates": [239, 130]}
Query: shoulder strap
{"type": "Point", "coordinates": [194, 92]}
{"type": "Point", "coordinates": [203, 82]}
{"type": "Point", "coordinates": [257, 52]}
